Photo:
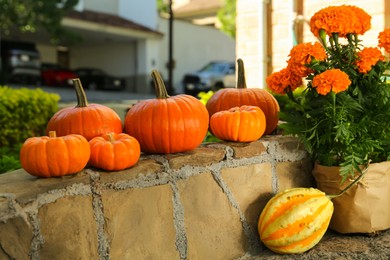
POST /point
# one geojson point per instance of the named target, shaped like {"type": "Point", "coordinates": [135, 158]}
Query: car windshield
{"type": "Point", "coordinates": [214, 67]}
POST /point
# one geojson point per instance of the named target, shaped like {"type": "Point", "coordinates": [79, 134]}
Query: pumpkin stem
{"type": "Point", "coordinates": [111, 138]}
{"type": "Point", "coordinates": [81, 96]}
{"type": "Point", "coordinates": [161, 91]}
{"type": "Point", "coordinates": [241, 82]}
{"type": "Point", "coordinates": [52, 134]}
{"type": "Point", "coordinates": [349, 185]}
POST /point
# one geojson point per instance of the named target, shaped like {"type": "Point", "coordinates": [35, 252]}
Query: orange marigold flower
{"type": "Point", "coordinates": [335, 19]}
{"type": "Point", "coordinates": [283, 81]}
{"type": "Point", "coordinates": [367, 58]}
{"type": "Point", "coordinates": [331, 80]}
{"type": "Point", "coordinates": [364, 19]}
{"type": "Point", "coordinates": [384, 40]}
{"type": "Point", "coordinates": [302, 55]}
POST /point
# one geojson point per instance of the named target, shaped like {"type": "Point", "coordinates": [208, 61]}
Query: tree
{"type": "Point", "coordinates": [33, 15]}
{"type": "Point", "coordinates": [227, 17]}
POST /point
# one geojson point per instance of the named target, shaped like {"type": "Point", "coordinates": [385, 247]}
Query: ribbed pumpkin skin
{"type": "Point", "coordinates": [114, 152]}
{"type": "Point", "coordinates": [238, 124]}
{"type": "Point", "coordinates": [227, 98]}
{"type": "Point", "coordinates": [54, 156]}
{"type": "Point", "coordinates": [88, 120]}
{"type": "Point", "coordinates": [93, 120]}
{"type": "Point", "coordinates": [295, 220]}
{"type": "Point", "coordinates": [168, 125]}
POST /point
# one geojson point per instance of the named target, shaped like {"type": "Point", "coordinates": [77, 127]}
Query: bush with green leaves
{"type": "Point", "coordinates": [23, 113]}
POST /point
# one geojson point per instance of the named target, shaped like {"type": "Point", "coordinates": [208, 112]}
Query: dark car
{"type": "Point", "coordinates": [20, 63]}
{"type": "Point", "coordinates": [55, 75]}
{"type": "Point", "coordinates": [213, 76]}
{"type": "Point", "coordinates": [97, 79]}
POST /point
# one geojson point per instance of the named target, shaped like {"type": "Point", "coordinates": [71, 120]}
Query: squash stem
{"type": "Point", "coordinates": [111, 138]}
{"type": "Point", "coordinates": [52, 134]}
{"type": "Point", "coordinates": [80, 93]}
{"type": "Point", "coordinates": [241, 81]}
{"type": "Point", "coordinates": [161, 91]}
{"type": "Point", "coordinates": [349, 186]}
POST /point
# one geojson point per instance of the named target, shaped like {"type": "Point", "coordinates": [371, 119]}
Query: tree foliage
{"type": "Point", "coordinates": [33, 15]}
{"type": "Point", "coordinates": [227, 17]}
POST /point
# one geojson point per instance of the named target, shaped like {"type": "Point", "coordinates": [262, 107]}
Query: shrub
{"type": "Point", "coordinates": [23, 113]}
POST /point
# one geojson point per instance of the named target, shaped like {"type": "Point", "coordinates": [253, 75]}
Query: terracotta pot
{"type": "Point", "coordinates": [364, 208]}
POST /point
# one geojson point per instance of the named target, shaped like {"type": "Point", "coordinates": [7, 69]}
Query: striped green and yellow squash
{"type": "Point", "coordinates": [295, 220]}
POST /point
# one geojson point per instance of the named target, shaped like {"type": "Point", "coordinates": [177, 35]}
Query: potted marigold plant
{"type": "Point", "coordinates": [343, 115]}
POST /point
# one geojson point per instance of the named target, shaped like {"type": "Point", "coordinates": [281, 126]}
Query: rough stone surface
{"type": "Point", "coordinates": [69, 229]}
{"type": "Point", "coordinates": [340, 246]}
{"type": "Point", "coordinates": [202, 156]}
{"type": "Point", "coordinates": [140, 226]}
{"type": "Point", "coordinates": [15, 237]}
{"type": "Point", "coordinates": [244, 150]}
{"type": "Point", "coordinates": [213, 227]}
{"type": "Point", "coordinates": [251, 188]}
{"type": "Point", "coordinates": [202, 204]}
{"type": "Point", "coordinates": [294, 174]}
{"type": "Point", "coordinates": [15, 183]}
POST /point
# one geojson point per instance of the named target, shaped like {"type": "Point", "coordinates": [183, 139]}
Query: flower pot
{"type": "Point", "coordinates": [365, 207]}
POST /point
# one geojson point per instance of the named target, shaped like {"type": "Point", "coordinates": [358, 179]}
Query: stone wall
{"type": "Point", "coordinates": [202, 204]}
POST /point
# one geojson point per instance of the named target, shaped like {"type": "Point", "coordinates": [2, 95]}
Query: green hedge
{"type": "Point", "coordinates": [23, 113]}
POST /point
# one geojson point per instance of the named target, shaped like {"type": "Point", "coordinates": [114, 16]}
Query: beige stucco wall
{"type": "Point", "coordinates": [203, 204]}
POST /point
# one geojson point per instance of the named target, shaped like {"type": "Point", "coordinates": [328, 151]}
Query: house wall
{"type": "Point", "coordinates": [104, 6]}
{"type": "Point", "coordinates": [143, 12]}
{"type": "Point", "coordinates": [193, 47]}
{"type": "Point", "coordinates": [251, 41]}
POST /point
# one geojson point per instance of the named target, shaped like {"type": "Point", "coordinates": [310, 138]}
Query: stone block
{"type": "Point", "coordinates": [16, 181]}
{"type": "Point", "coordinates": [201, 156]}
{"type": "Point", "coordinates": [69, 229]}
{"type": "Point", "coordinates": [247, 150]}
{"type": "Point", "coordinates": [213, 226]}
{"type": "Point", "coordinates": [294, 174]}
{"type": "Point", "coordinates": [144, 167]}
{"type": "Point", "coordinates": [251, 187]}
{"type": "Point", "coordinates": [139, 223]}
{"type": "Point", "coordinates": [15, 239]}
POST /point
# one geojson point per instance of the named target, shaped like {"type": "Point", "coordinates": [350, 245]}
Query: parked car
{"type": "Point", "coordinates": [20, 63]}
{"type": "Point", "coordinates": [92, 78]}
{"type": "Point", "coordinates": [213, 76]}
{"type": "Point", "coordinates": [55, 75]}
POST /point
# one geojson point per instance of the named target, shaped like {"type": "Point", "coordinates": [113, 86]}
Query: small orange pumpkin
{"type": "Point", "coordinates": [167, 124]}
{"type": "Point", "coordinates": [88, 120]}
{"type": "Point", "coordinates": [295, 220]}
{"type": "Point", "coordinates": [239, 124]}
{"type": "Point", "coordinates": [52, 156]}
{"type": "Point", "coordinates": [227, 98]}
{"type": "Point", "coordinates": [114, 152]}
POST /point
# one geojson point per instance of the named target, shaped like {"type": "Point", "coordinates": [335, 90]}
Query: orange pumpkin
{"type": "Point", "coordinates": [227, 98]}
{"type": "Point", "coordinates": [242, 124]}
{"type": "Point", "coordinates": [88, 120]}
{"type": "Point", "coordinates": [52, 156]}
{"type": "Point", "coordinates": [114, 152]}
{"type": "Point", "coordinates": [167, 124]}
{"type": "Point", "coordinates": [295, 220]}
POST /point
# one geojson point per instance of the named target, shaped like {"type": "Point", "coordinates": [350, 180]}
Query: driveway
{"type": "Point", "coordinates": [67, 94]}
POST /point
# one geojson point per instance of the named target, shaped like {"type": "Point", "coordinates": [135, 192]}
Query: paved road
{"type": "Point", "coordinates": [67, 94]}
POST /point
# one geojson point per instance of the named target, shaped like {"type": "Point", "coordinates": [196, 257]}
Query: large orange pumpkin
{"type": "Point", "coordinates": [114, 152]}
{"type": "Point", "coordinates": [295, 220]}
{"type": "Point", "coordinates": [167, 124]}
{"type": "Point", "coordinates": [51, 156]}
{"type": "Point", "coordinates": [239, 124]}
{"type": "Point", "coordinates": [88, 120]}
{"type": "Point", "coordinates": [227, 98]}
